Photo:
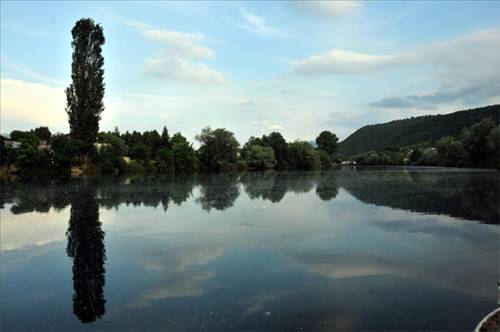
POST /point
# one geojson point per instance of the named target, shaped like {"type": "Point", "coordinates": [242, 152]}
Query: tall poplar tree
{"type": "Point", "coordinates": [85, 94]}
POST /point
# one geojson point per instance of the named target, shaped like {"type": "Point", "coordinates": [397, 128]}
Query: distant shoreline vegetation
{"type": "Point", "coordinates": [88, 151]}
{"type": "Point", "coordinates": [38, 151]}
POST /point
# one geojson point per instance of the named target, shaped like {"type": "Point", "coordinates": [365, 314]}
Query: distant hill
{"type": "Point", "coordinates": [428, 128]}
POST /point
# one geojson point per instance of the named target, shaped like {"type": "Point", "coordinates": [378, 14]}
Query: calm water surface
{"type": "Point", "coordinates": [373, 249]}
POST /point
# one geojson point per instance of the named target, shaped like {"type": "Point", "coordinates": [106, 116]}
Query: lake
{"type": "Point", "coordinates": [365, 249]}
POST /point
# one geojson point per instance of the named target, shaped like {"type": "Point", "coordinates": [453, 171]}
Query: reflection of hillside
{"type": "Point", "coordinates": [473, 196]}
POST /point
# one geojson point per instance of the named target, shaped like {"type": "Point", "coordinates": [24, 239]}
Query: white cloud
{"type": "Point", "coordinates": [326, 9]}
{"type": "Point", "coordinates": [346, 62]}
{"type": "Point", "coordinates": [258, 25]}
{"type": "Point", "coordinates": [469, 57]}
{"type": "Point", "coordinates": [181, 70]}
{"type": "Point", "coordinates": [174, 61]}
{"type": "Point", "coordinates": [180, 43]}
{"type": "Point", "coordinates": [34, 103]}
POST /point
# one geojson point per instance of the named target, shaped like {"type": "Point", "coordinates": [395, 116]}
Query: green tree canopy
{"type": "Point", "coordinates": [260, 157]}
{"type": "Point", "coordinates": [42, 133]}
{"type": "Point", "coordinates": [327, 141]}
{"type": "Point", "coordinates": [84, 96]}
{"type": "Point", "coordinates": [218, 148]}
{"type": "Point", "coordinates": [280, 147]}
{"type": "Point", "coordinates": [303, 156]}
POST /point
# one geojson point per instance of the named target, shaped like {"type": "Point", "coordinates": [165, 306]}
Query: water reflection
{"type": "Point", "coordinates": [86, 248]}
{"type": "Point", "coordinates": [461, 194]}
{"type": "Point", "coordinates": [278, 251]}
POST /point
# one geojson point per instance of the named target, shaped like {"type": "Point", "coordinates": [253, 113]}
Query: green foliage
{"type": "Point", "coordinates": [66, 150]}
{"type": "Point", "coordinates": [415, 156]}
{"type": "Point", "coordinates": [165, 162]}
{"type": "Point", "coordinates": [327, 141]}
{"type": "Point", "coordinates": [325, 158]}
{"type": "Point", "coordinates": [165, 138]}
{"type": "Point", "coordinates": [494, 146]}
{"type": "Point", "coordinates": [413, 131]}
{"type": "Point", "coordinates": [42, 133]}
{"type": "Point", "coordinates": [476, 141]}
{"type": "Point", "coordinates": [303, 156]}
{"type": "Point", "coordinates": [429, 157]}
{"type": "Point", "coordinates": [450, 152]}
{"type": "Point", "coordinates": [152, 140]}
{"type": "Point", "coordinates": [116, 144]}
{"type": "Point", "coordinates": [25, 137]}
{"type": "Point", "coordinates": [85, 94]}
{"type": "Point", "coordinates": [260, 158]}
{"type": "Point", "coordinates": [110, 155]}
{"type": "Point", "coordinates": [140, 152]}
{"type": "Point", "coordinates": [218, 150]}
{"type": "Point", "coordinates": [280, 148]}
{"type": "Point", "coordinates": [184, 155]}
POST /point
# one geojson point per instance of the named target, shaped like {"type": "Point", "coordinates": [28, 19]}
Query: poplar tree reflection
{"type": "Point", "coordinates": [86, 247]}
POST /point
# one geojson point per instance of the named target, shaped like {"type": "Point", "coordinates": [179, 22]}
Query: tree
{"type": "Point", "coordinates": [327, 141]}
{"type": "Point", "coordinates": [141, 152]}
{"type": "Point", "coordinates": [325, 158]}
{"type": "Point", "coordinates": [25, 137]}
{"type": "Point", "coordinates": [85, 94]}
{"type": "Point", "coordinates": [66, 150]}
{"type": "Point", "coordinates": [251, 142]}
{"type": "Point", "coordinates": [165, 138]}
{"type": "Point", "coordinates": [42, 133]}
{"type": "Point", "coordinates": [152, 139]}
{"type": "Point", "coordinates": [494, 146]}
{"type": "Point", "coordinates": [184, 155]}
{"type": "Point", "coordinates": [260, 157]}
{"type": "Point", "coordinates": [218, 150]}
{"type": "Point", "coordinates": [450, 151]}
{"type": "Point", "coordinates": [280, 148]}
{"type": "Point", "coordinates": [303, 156]}
{"type": "Point", "coordinates": [475, 142]}
{"type": "Point", "coordinates": [111, 154]}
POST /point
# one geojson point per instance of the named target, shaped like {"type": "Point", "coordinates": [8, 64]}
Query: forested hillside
{"type": "Point", "coordinates": [429, 128]}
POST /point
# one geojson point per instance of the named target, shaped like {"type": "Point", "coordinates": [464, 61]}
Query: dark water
{"type": "Point", "coordinates": [374, 249]}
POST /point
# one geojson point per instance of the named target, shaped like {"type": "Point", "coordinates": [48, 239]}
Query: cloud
{"type": "Point", "coordinates": [245, 102]}
{"type": "Point", "coordinates": [269, 125]}
{"type": "Point", "coordinates": [181, 70]}
{"type": "Point", "coordinates": [180, 43]}
{"type": "Point", "coordinates": [326, 9]}
{"type": "Point", "coordinates": [258, 25]}
{"type": "Point", "coordinates": [33, 103]}
{"type": "Point", "coordinates": [176, 59]}
{"type": "Point", "coordinates": [470, 56]}
{"type": "Point", "coordinates": [341, 62]}
{"type": "Point", "coordinates": [468, 95]}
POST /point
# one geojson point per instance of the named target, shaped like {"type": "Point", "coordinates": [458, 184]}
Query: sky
{"type": "Point", "coordinates": [254, 67]}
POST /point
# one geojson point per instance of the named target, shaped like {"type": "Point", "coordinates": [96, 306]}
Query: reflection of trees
{"type": "Point", "coordinates": [327, 187]}
{"type": "Point", "coordinates": [468, 195]}
{"type": "Point", "coordinates": [473, 196]}
{"type": "Point", "coordinates": [264, 185]}
{"type": "Point", "coordinates": [86, 247]}
{"type": "Point", "coordinates": [218, 191]}
{"type": "Point", "coordinates": [273, 186]}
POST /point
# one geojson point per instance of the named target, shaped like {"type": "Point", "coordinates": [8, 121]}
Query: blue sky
{"type": "Point", "coordinates": [254, 67]}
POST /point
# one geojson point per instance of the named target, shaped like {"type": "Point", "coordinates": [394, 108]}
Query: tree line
{"type": "Point", "coordinates": [88, 150]}
{"type": "Point", "coordinates": [150, 151]}
{"type": "Point", "coordinates": [160, 153]}
{"type": "Point", "coordinates": [478, 146]}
